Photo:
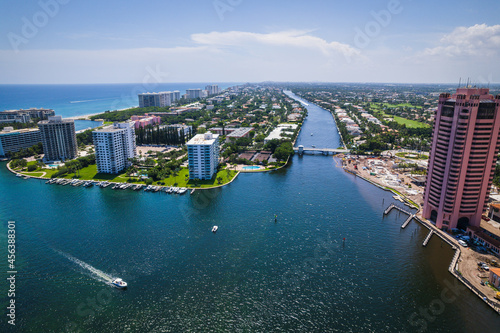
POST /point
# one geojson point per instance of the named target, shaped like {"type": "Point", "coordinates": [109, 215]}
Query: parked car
{"type": "Point", "coordinates": [461, 242]}
{"type": "Point", "coordinates": [485, 267]}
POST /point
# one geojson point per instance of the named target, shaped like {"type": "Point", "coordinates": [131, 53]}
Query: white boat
{"type": "Point", "coordinates": [214, 229]}
{"type": "Point", "coordinates": [119, 283]}
{"type": "Point", "coordinates": [311, 134]}
{"type": "Point", "coordinates": [182, 190]}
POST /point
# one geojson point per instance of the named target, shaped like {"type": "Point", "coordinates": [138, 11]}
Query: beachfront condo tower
{"type": "Point", "coordinates": [114, 146]}
{"type": "Point", "coordinates": [462, 160]}
{"type": "Point", "coordinates": [159, 99]}
{"type": "Point", "coordinates": [58, 138]}
{"type": "Point", "coordinates": [203, 155]}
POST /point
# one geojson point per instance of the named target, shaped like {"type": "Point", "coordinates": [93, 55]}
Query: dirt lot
{"type": "Point", "coordinates": [467, 265]}
{"type": "Point", "coordinates": [384, 171]}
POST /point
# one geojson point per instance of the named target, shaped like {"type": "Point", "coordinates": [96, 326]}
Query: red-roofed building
{"type": "Point", "coordinates": [494, 278]}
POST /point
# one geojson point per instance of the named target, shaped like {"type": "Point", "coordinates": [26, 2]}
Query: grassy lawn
{"type": "Point", "coordinates": [401, 105]}
{"type": "Point", "coordinates": [34, 174]}
{"type": "Point", "coordinates": [182, 179]}
{"type": "Point", "coordinates": [419, 157]}
{"type": "Point", "coordinates": [409, 123]}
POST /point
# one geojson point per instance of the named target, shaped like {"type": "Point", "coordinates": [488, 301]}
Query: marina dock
{"type": "Point", "coordinates": [408, 220]}
{"type": "Point", "coordinates": [428, 238]}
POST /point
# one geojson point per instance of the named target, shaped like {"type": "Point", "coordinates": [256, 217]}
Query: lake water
{"type": "Point", "coordinates": [256, 274]}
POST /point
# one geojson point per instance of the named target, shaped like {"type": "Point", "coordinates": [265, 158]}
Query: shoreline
{"type": "Point", "coordinates": [97, 180]}
{"type": "Point", "coordinates": [454, 264]}
{"type": "Point", "coordinates": [87, 116]}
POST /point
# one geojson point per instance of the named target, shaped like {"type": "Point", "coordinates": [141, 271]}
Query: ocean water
{"type": "Point", "coordinates": [81, 99]}
{"type": "Point", "coordinates": [330, 262]}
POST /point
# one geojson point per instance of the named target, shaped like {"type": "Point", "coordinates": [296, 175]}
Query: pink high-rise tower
{"type": "Point", "coordinates": [464, 151]}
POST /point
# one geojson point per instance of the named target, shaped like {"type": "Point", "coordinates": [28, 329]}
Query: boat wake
{"type": "Point", "coordinates": [95, 273]}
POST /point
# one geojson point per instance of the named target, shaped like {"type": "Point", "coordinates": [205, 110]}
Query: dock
{"type": "Point", "coordinates": [408, 220]}
{"type": "Point", "coordinates": [393, 206]}
{"type": "Point", "coordinates": [428, 238]}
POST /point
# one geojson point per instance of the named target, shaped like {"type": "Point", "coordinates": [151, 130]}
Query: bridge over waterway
{"type": "Point", "coordinates": [325, 151]}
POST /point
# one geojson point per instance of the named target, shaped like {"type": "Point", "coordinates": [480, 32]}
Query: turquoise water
{"type": "Point", "coordinates": [85, 124]}
{"type": "Point", "coordinates": [295, 274]}
{"type": "Point", "coordinates": [71, 100]}
{"type": "Point", "coordinates": [251, 167]}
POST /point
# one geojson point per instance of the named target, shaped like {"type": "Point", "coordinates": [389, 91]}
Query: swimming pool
{"type": "Point", "coordinates": [251, 167]}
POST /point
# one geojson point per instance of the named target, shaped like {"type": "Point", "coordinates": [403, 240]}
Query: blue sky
{"type": "Point", "coordinates": [76, 41]}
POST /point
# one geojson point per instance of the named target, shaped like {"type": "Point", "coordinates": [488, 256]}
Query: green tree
{"type": "Point", "coordinates": [283, 151]}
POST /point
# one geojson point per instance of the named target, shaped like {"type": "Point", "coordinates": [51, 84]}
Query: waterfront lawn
{"type": "Point", "coordinates": [181, 180]}
{"type": "Point", "coordinates": [226, 175]}
{"type": "Point", "coordinates": [33, 174]}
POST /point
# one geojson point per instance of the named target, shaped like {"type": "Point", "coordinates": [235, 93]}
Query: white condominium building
{"type": "Point", "coordinates": [203, 154]}
{"type": "Point", "coordinates": [12, 141]}
{"type": "Point", "coordinates": [159, 99]}
{"type": "Point", "coordinates": [212, 89]}
{"type": "Point", "coordinates": [114, 145]}
{"type": "Point", "coordinates": [194, 93]}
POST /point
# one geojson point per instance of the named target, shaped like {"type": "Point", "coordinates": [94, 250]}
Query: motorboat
{"type": "Point", "coordinates": [214, 229]}
{"type": "Point", "coordinates": [119, 283]}
{"type": "Point", "coordinates": [182, 190]}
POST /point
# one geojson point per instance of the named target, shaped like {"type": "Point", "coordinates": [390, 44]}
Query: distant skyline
{"type": "Point", "coordinates": [397, 41]}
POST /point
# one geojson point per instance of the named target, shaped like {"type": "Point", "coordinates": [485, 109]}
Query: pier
{"type": "Point", "coordinates": [428, 238]}
{"type": "Point", "coordinates": [393, 206]}
{"type": "Point", "coordinates": [408, 220]}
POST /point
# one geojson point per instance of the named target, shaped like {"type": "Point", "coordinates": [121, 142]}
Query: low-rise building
{"type": "Point", "coordinates": [494, 277]}
{"type": "Point", "coordinates": [146, 120]}
{"type": "Point", "coordinates": [294, 117]}
{"type": "Point", "coordinates": [242, 132]}
{"type": "Point", "coordinates": [486, 234]}
{"type": "Point", "coordinates": [494, 213]}
{"type": "Point", "coordinates": [12, 141]}
{"type": "Point", "coordinates": [279, 131]}
{"type": "Point", "coordinates": [25, 116]}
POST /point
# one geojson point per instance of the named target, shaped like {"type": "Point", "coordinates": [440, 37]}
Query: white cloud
{"type": "Point", "coordinates": [477, 40]}
{"type": "Point", "coordinates": [292, 38]}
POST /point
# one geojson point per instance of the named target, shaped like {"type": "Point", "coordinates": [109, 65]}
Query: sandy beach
{"type": "Point", "coordinates": [87, 116]}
